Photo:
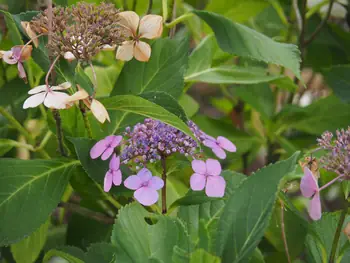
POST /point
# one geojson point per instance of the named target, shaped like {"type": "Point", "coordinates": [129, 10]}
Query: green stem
{"type": "Point", "coordinates": [59, 132]}
{"type": "Point", "coordinates": [150, 5]}
{"type": "Point", "coordinates": [165, 10]}
{"type": "Point", "coordinates": [108, 197]}
{"type": "Point", "coordinates": [179, 20]}
{"type": "Point", "coordinates": [44, 141]}
{"type": "Point", "coordinates": [337, 233]}
{"type": "Point", "coordinates": [86, 119]}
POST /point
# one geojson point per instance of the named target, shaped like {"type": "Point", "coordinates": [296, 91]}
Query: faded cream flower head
{"type": "Point", "coordinates": [150, 27]}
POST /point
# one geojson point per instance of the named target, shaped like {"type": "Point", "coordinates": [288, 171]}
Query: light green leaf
{"type": "Point", "coordinates": [338, 79]}
{"type": "Point", "coordinates": [140, 106]}
{"type": "Point", "coordinates": [101, 253]}
{"type": "Point", "coordinates": [285, 83]}
{"type": "Point", "coordinates": [248, 210]}
{"type": "Point", "coordinates": [163, 72]}
{"type": "Point", "coordinates": [189, 104]}
{"type": "Point", "coordinates": [202, 256]}
{"type": "Point", "coordinates": [71, 254]}
{"type": "Point", "coordinates": [243, 41]}
{"type": "Point", "coordinates": [26, 185]}
{"type": "Point", "coordinates": [28, 249]}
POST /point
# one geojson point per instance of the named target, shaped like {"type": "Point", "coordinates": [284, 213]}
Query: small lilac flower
{"type": "Point", "coordinates": [146, 186]}
{"type": "Point", "coordinates": [105, 147]}
{"type": "Point", "coordinates": [113, 175]}
{"type": "Point", "coordinates": [207, 174]}
{"type": "Point", "coordinates": [309, 188]}
{"type": "Point", "coordinates": [218, 145]}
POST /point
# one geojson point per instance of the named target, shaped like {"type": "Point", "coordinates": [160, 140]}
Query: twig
{"type": "Point", "coordinates": [164, 207]}
{"type": "Point", "coordinates": [337, 233]}
{"type": "Point", "coordinates": [59, 132]}
{"type": "Point", "coordinates": [283, 230]}
{"type": "Point", "coordinates": [150, 5]}
{"type": "Point", "coordinates": [320, 26]}
{"type": "Point", "coordinates": [173, 29]}
{"type": "Point", "coordinates": [94, 77]}
{"type": "Point", "coordinates": [87, 213]}
{"type": "Point", "coordinates": [85, 118]}
{"type": "Point", "coordinates": [297, 15]}
{"type": "Point", "coordinates": [134, 3]}
{"type": "Point", "coordinates": [51, 69]}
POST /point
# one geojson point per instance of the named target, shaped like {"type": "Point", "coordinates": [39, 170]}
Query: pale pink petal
{"type": "Point", "coordinates": [213, 167]}
{"type": "Point", "coordinates": [34, 101]}
{"type": "Point", "coordinates": [146, 196]}
{"type": "Point", "coordinates": [142, 51]}
{"type": "Point", "coordinates": [145, 175]}
{"type": "Point", "coordinates": [130, 20]}
{"type": "Point", "coordinates": [151, 26]}
{"type": "Point", "coordinates": [8, 57]}
{"type": "Point", "coordinates": [114, 162]}
{"type": "Point", "coordinates": [79, 95]}
{"type": "Point", "coordinates": [116, 141]}
{"type": "Point", "coordinates": [308, 184]}
{"type": "Point", "coordinates": [56, 100]}
{"type": "Point", "coordinates": [219, 152]}
{"type": "Point", "coordinates": [155, 183]}
{"type": "Point", "coordinates": [125, 52]}
{"type": "Point", "coordinates": [38, 89]}
{"type": "Point", "coordinates": [107, 182]}
{"type": "Point", "coordinates": [99, 111]}
{"type": "Point", "coordinates": [210, 143]}
{"type": "Point", "coordinates": [315, 211]}
{"type": "Point", "coordinates": [107, 153]}
{"type": "Point", "coordinates": [21, 71]}
{"type": "Point", "coordinates": [16, 52]}
{"type": "Point", "coordinates": [197, 182]}
{"type": "Point", "coordinates": [63, 86]}
{"type": "Point", "coordinates": [108, 47]}
{"type": "Point", "coordinates": [133, 182]}
{"type": "Point", "coordinates": [97, 150]}
{"type": "Point", "coordinates": [69, 56]}
{"type": "Point", "coordinates": [117, 177]}
{"type": "Point", "coordinates": [199, 167]}
{"type": "Point", "coordinates": [226, 144]}
{"type": "Point", "coordinates": [215, 186]}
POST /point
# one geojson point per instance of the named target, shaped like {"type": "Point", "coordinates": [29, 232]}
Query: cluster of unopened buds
{"type": "Point", "coordinates": [336, 160]}
{"type": "Point", "coordinates": [152, 141]}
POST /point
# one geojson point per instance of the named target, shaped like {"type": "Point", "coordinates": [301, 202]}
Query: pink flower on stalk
{"type": "Point", "coordinates": [113, 175]}
{"type": "Point", "coordinates": [218, 145]}
{"type": "Point", "coordinates": [146, 186]}
{"type": "Point", "coordinates": [207, 175]}
{"type": "Point", "coordinates": [17, 55]}
{"type": "Point", "coordinates": [105, 147]}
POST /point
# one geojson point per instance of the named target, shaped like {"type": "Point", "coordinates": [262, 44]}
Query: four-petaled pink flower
{"type": "Point", "coordinates": [50, 96]}
{"type": "Point", "coordinates": [207, 175]}
{"type": "Point", "coordinates": [113, 175]}
{"type": "Point", "coordinates": [218, 145]}
{"type": "Point", "coordinates": [105, 147]}
{"type": "Point", "coordinates": [17, 55]}
{"type": "Point", "coordinates": [309, 188]}
{"type": "Point", "coordinates": [146, 186]}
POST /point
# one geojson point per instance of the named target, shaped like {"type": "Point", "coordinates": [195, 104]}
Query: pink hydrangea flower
{"type": "Point", "coordinates": [309, 188]}
{"type": "Point", "coordinates": [113, 175]}
{"type": "Point", "coordinates": [207, 175]}
{"type": "Point", "coordinates": [219, 145]}
{"type": "Point", "coordinates": [146, 186]}
{"type": "Point", "coordinates": [105, 147]}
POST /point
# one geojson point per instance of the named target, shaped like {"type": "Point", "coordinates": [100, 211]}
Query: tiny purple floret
{"type": "Point", "coordinates": [105, 147]}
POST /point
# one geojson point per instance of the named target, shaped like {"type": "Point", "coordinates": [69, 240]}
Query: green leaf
{"type": "Point", "coordinates": [190, 105]}
{"type": "Point", "coordinates": [260, 97]}
{"type": "Point", "coordinates": [285, 83]}
{"type": "Point", "coordinates": [231, 75]}
{"type": "Point", "coordinates": [101, 253]}
{"type": "Point", "coordinates": [15, 35]}
{"type": "Point", "coordinates": [202, 256]}
{"type": "Point", "coordinates": [320, 237]}
{"type": "Point", "coordinates": [28, 249]}
{"type": "Point", "coordinates": [192, 198]}
{"type": "Point", "coordinates": [164, 71]}
{"type": "Point", "coordinates": [26, 185]}
{"type": "Point", "coordinates": [338, 79]}
{"type": "Point", "coordinates": [140, 106]}
{"type": "Point", "coordinates": [71, 254]}
{"type": "Point", "coordinates": [137, 241]}
{"type": "Point", "coordinates": [248, 210]}
{"type": "Point", "coordinates": [243, 41]}
{"type": "Point", "coordinates": [257, 257]}
{"type": "Point", "coordinates": [6, 145]}
{"type": "Point", "coordinates": [83, 80]}
{"type": "Point", "coordinates": [13, 91]}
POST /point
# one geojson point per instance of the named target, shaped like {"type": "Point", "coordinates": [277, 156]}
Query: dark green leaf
{"type": "Point", "coordinates": [71, 254]}
{"type": "Point", "coordinates": [83, 80]}
{"type": "Point", "coordinates": [338, 79]}
{"type": "Point", "coordinates": [248, 210]}
{"type": "Point", "coordinates": [15, 35]}
{"type": "Point", "coordinates": [101, 253]}
{"type": "Point", "coordinates": [192, 198]}
{"type": "Point", "coordinates": [13, 91]}
{"type": "Point", "coordinates": [26, 186]}
{"type": "Point", "coordinates": [189, 105]}
{"type": "Point", "coordinates": [243, 41]}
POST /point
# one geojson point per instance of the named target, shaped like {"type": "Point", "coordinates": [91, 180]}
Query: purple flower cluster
{"type": "Point", "coordinates": [153, 140]}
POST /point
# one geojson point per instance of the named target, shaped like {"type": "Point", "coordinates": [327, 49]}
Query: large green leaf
{"type": "Point", "coordinates": [101, 253]}
{"type": "Point", "coordinates": [140, 106]}
{"type": "Point", "coordinates": [28, 249]}
{"type": "Point", "coordinates": [137, 241]}
{"type": "Point", "coordinates": [163, 72]}
{"type": "Point", "coordinates": [30, 190]}
{"type": "Point", "coordinates": [13, 91]}
{"type": "Point", "coordinates": [202, 256]}
{"type": "Point", "coordinates": [15, 35]}
{"type": "Point", "coordinates": [243, 41]}
{"type": "Point", "coordinates": [248, 210]}
{"type": "Point", "coordinates": [338, 79]}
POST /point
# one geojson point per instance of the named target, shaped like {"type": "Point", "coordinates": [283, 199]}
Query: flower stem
{"type": "Point", "coordinates": [337, 233]}
{"type": "Point", "coordinates": [331, 182]}
{"type": "Point", "coordinates": [179, 20]}
{"type": "Point", "coordinates": [85, 118]}
{"type": "Point", "coordinates": [165, 10]}
{"type": "Point", "coordinates": [50, 70]}
{"type": "Point", "coordinates": [283, 230]}
{"type": "Point", "coordinates": [59, 132]}
{"type": "Point", "coordinates": [173, 29]}
{"type": "Point", "coordinates": [87, 213]}
{"type": "Point", "coordinates": [150, 5]}
{"type": "Point", "coordinates": [164, 207]}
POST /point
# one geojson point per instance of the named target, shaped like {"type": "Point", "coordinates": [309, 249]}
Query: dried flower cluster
{"type": "Point", "coordinates": [82, 30]}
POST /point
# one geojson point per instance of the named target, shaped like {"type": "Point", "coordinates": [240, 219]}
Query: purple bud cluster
{"type": "Point", "coordinates": [338, 158]}
{"type": "Point", "coordinates": [199, 134]}
{"type": "Point", "coordinates": [151, 140]}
